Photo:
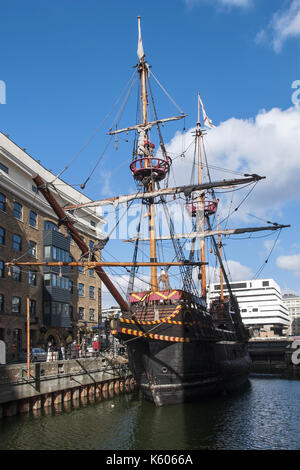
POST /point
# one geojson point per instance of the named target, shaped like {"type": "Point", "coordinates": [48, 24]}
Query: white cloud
{"type": "Point", "coordinates": [290, 262]}
{"type": "Point", "coordinates": [220, 4]}
{"type": "Point", "coordinates": [285, 24]}
{"type": "Point", "coordinates": [267, 145]}
{"type": "Point", "coordinates": [236, 271]}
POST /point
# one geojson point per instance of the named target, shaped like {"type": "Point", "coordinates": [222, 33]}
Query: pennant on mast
{"type": "Point", "coordinates": [207, 122]}
{"type": "Point", "coordinates": [140, 49]}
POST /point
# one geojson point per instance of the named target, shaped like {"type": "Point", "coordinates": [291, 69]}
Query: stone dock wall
{"type": "Point", "coordinates": [51, 383]}
{"type": "Point", "coordinates": [277, 356]}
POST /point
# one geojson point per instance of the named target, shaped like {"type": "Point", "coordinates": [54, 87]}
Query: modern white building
{"type": "Point", "coordinates": [106, 313]}
{"type": "Point", "coordinates": [292, 302]}
{"type": "Point", "coordinates": [261, 305]}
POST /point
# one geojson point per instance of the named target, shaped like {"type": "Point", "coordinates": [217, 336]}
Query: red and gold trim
{"type": "Point", "coordinates": [175, 339]}
{"type": "Point", "coordinates": [157, 295]}
{"type": "Point", "coordinates": [155, 322]}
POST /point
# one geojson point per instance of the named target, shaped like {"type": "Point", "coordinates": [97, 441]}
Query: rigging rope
{"type": "Point", "coordinates": [165, 91]}
{"type": "Point", "coordinates": [117, 119]}
{"type": "Point", "coordinates": [96, 131]}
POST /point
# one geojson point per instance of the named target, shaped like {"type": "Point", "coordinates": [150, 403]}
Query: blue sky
{"type": "Point", "coordinates": [65, 63]}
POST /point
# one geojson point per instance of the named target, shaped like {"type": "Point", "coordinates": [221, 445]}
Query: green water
{"type": "Point", "coordinates": [264, 416]}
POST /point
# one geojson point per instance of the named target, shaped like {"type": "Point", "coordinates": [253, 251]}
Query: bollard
{"type": "Point", "coordinates": [132, 384]}
{"type": "Point", "coordinates": [122, 386]}
{"type": "Point", "coordinates": [75, 394]}
{"type": "Point", "coordinates": [117, 387]}
{"type": "Point", "coordinates": [67, 395]}
{"type": "Point", "coordinates": [105, 390]}
{"type": "Point", "coordinates": [47, 400]}
{"type": "Point", "coordinates": [57, 398]}
{"type": "Point", "coordinates": [127, 385]}
{"type": "Point", "coordinates": [36, 403]}
{"type": "Point", "coordinates": [111, 389]}
{"type": "Point", "coordinates": [98, 391]}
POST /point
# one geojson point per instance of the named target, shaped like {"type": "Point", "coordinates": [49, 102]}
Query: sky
{"type": "Point", "coordinates": [64, 65]}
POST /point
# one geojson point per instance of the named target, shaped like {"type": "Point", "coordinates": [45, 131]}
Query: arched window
{"type": "Point", "coordinates": [48, 225]}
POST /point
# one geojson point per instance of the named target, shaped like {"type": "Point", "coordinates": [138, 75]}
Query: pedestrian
{"type": "Point", "coordinates": [49, 352]}
{"type": "Point", "coordinates": [63, 352]}
{"type": "Point", "coordinates": [73, 350]}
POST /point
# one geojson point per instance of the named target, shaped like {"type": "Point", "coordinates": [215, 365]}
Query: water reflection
{"type": "Point", "coordinates": [263, 416]}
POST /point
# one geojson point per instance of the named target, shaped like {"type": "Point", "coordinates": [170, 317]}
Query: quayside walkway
{"type": "Point", "coordinates": [50, 383]}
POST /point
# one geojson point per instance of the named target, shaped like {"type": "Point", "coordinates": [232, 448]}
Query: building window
{"type": "Point", "coordinates": [1, 302]}
{"type": "Point", "coordinates": [1, 269]}
{"type": "Point", "coordinates": [81, 269]}
{"type": "Point", "coordinates": [255, 310]}
{"type": "Point", "coordinates": [47, 279]}
{"type": "Point", "coordinates": [56, 254]}
{"type": "Point", "coordinates": [93, 224]}
{"type": "Point", "coordinates": [92, 292]}
{"type": "Point", "coordinates": [265, 283]}
{"type": "Point", "coordinates": [32, 219]}
{"type": "Point", "coordinates": [34, 189]}
{"type": "Point", "coordinates": [71, 311]}
{"type": "Point", "coordinates": [48, 225]}
{"type": "Point", "coordinates": [16, 304]}
{"type": "Point", "coordinates": [92, 314]}
{"type": "Point", "coordinates": [2, 202]}
{"type": "Point", "coordinates": [92, 272]}
{"type": "Point", "coordinates": [32, 278]}
{"type": "Point", "coordinates": [70, 283]}
{"type": "Point", "coordinates": [91, 245]}
{"type": "Point", "coordinates": [2, 236]}
{"type": "Point", "coordinates": [17, 242]}
{"type": "Point", "coordinates": [32, 308]}
{"type": "Point", "coordinates": [16, 273]}
{"type": "Point", "coordinates": [81, 290]}
{"type": "Point", "coordinates": [32, 248]}
{"type": "Point", "coordinates": [17, 211]}
{"type": "Point", "coordinates": [81, 313]}
{"type": "Point", "coordinates": [3, 168]}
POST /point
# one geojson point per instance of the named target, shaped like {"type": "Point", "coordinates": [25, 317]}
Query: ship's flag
{"type": "Point", "coordinates": [140, 49]}
{"type": "Point", "coordinates": [207, 122]}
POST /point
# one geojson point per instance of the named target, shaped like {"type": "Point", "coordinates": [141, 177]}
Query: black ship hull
{"type": "Point", "coordinates": [172, 373]}
{"type": "Point", "coordinates": [178, 352]}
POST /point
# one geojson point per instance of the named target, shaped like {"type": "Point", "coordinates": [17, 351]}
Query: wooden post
{"type": "Point", "coordinates": [28, 337]}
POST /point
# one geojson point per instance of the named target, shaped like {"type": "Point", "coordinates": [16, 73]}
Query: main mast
{"type": "Point", "coordinates": [143, 70]}
{"type": "Point", "coordinates": [200, 213]}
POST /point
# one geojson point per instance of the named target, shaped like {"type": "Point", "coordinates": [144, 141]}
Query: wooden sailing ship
{"type": "Point", "coordinates": [178, 349]}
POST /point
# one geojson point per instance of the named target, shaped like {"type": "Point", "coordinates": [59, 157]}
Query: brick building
{"type": "Point", "coordinates": [62, 300]}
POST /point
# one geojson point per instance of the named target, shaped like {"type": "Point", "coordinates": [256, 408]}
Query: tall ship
{"type": "Point", "coordinates": [179, 347]}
